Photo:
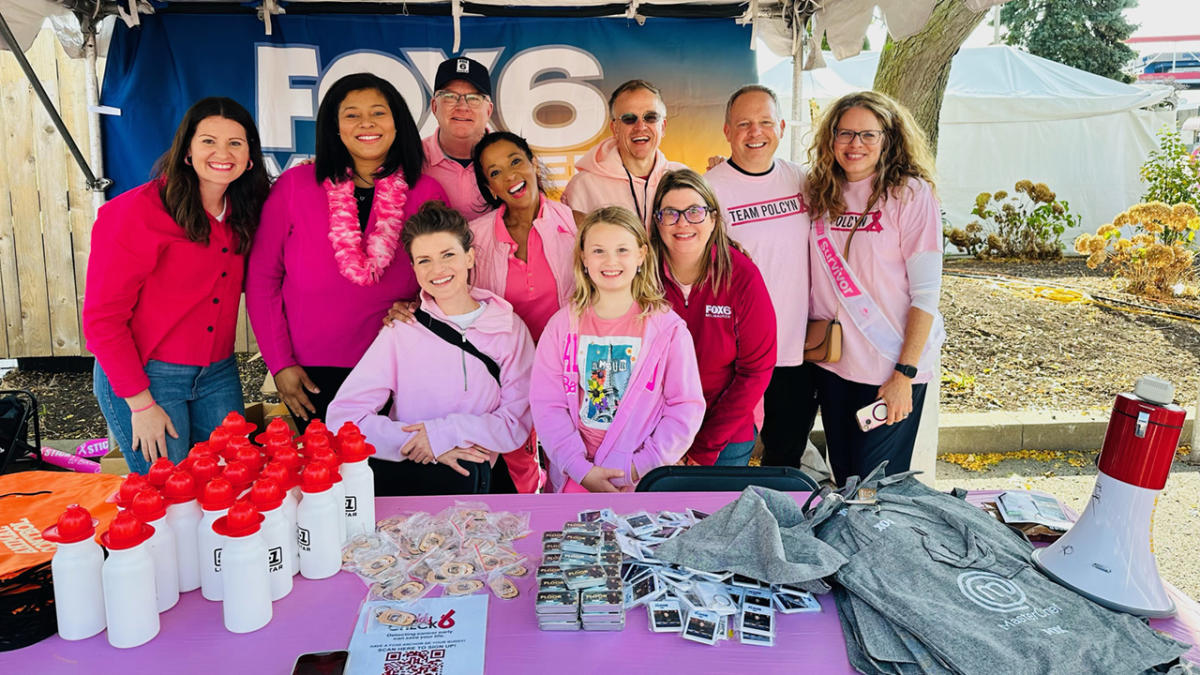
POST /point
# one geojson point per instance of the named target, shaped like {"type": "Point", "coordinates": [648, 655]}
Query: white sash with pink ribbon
{"type": "Point", "coordinates": [866, 315]}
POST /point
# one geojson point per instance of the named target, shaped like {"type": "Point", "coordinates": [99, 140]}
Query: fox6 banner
{"type": "Point", "coordinates": [551, 78]}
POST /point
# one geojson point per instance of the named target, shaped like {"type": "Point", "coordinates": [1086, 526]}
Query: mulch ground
{"type": "Point", "coordinates": [1020, 336]}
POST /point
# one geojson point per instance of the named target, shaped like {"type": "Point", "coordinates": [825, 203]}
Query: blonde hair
{"type": "Point", "coordinates": [646, 288]}
{"type": "Point", "coordinates": [904, 153]}
{"type": "Point", "coordinates": [721, 264]}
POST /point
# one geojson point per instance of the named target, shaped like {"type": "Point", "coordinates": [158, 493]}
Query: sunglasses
{"type": "Point", "coordinates": [868, 137]}
{"type": "Point", "coordinates": [693, 214]}
{"type": "Point", "coordinates": [450, 98]}
{"type": "Point", "coordinates": [651, 117]}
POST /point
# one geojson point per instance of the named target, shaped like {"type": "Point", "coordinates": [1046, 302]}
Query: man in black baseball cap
{"type": "Point", "coordinates": [462, 105]}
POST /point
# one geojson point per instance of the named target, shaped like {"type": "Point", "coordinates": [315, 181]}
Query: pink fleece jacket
{"type": "Point", "coordinates": [554, 224]}
{"type": "Point", "coordinates": [603, 181]}
{"type": "Point", "coordinates": [438, 384]}
{"type": "Point", "coordinates": [655, 422]}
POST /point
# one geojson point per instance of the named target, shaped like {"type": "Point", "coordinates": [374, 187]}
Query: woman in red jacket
{"type": "Point", "coordinates": [721, 295]}
{"type": "Point", "coordinates": [163, 284]}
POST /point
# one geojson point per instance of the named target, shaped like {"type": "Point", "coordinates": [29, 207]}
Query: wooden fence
{"type": "Point", "coordinates": [46, 209]}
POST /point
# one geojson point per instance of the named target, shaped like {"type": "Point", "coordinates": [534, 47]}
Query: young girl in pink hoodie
{"type": "Point", "coordinates": [460, 401]}
{"type": "Point", "coordinates": [615, 390]}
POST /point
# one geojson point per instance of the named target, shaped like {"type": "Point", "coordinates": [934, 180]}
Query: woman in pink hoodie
{"type": "Point", "coordinates": [464, 402]}
{"type": "Point", "coordinates": [615, 390]}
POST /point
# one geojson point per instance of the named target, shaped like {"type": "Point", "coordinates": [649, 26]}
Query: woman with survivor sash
{"type": "Point", "coordinates": [876, 259]}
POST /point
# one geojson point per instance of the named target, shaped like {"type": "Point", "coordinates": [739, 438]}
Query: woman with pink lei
{"type": "Point", "coordinates": [615, 390]}
{"type": "Point", "coordinates": [163, 284]}
{"type": "Point", "coordinates": [876, 260]}
{"type": "Point", "coordinates": [324, 268]}
{"type": "Point", "coordinates": [462, 405]}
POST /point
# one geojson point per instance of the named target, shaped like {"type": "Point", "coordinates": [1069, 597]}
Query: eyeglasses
{"type": "Point", "coordinates": [450, 98]}
{"type": "Point", "coordinates": [868, 137]}
{"type": "Point", "coordinates": [651, 117]}
{"type": "Point", "coordinates": [694, 215]}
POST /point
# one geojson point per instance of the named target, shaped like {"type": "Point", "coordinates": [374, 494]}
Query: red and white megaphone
{"type": "Point", "coordinates": [1108, 556]}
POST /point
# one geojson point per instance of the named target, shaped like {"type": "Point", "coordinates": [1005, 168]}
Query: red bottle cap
{"type": "Point", "coordinates": [205, 468]}
{"type": "Point", "coordinates": [356, 448]}
{"type": "Point", "coordinates": [250, 456]}
{"type": "Point", "coordinates": [218, 439]}
{"type": "Point", "coordinates": [237, 425]}
{"type": "Point", "coordinates": [231, 449]}
{"type": "Point", "coordinates": [348, 428]}
{"type": "Point", "coordinates": [126, 531]}
{"type": "Point", "coordinates": [148, 505]}
{"type": "Point", "coordinates": [239, 475]}
{"type": "Point", "coordinates": [281, 474]}
{"type": "Point", "coordinates": [202, 449]}
{"type": "Point", "coordinates": [242, 520]}
{"type": "Point", "coordinates": [180, 487]}
{"type": "Point", "coordinates": [159, 470]}
{"type": "Point", "coordinates": [266, 494]}
{"type": "Point", "coordinates": [217, 495]}
{"type": "Point", "coordinates": [315, 444]}
{"type": "Point", "coordinates": [132, 485]}
{"type": "Point", "coordinates": [316, 477]}
{"type": "Point", "coordinates": [284, 452]}
{"type": "Point", "coordinates": [186, 464]}
{"type": "Point", "coordinates": [75, 524]}
{"type": "Point", "coordinates": [277, 430]}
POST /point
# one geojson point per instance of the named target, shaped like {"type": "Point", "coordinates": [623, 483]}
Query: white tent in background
{"type": "Point", "coordinates": [1009, 115]}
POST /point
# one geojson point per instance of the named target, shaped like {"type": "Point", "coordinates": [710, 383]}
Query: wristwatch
{"type": "Point", "coordinates": [907, 371]}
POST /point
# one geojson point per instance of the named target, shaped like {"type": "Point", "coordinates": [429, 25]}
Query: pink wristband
{"type": "Point", "coordinates": [152, 404]}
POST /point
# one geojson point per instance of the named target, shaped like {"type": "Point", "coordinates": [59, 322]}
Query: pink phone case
{"type": "Point", "coordinates": [872, 415]}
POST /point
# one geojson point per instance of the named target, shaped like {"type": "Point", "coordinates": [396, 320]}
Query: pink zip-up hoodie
{"type": "Point", "coordinates": [655, 422]}
{"type": "Point", "coordinates": [439, 384]}
{"type": "Point", "coordinates": [554, 223]}
{"type": "Point", "coordinates": [603, 181]}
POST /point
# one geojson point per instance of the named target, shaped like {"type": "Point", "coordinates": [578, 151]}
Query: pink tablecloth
{"type": "Point", "coordinates": [318, 616]}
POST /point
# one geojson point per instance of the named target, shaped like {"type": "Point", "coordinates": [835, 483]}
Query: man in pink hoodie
{"type": "Point", "coordinates": [624, 170]}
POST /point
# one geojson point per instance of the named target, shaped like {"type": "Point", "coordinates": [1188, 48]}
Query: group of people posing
{"type": "Point", "coordinates": [635, 323]}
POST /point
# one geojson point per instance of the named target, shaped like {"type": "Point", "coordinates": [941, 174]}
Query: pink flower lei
{"type": "Point", "coordinates": [366, 267]}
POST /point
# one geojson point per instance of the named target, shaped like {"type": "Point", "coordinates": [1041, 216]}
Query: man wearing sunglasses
{"type": "Point", "coordinates": [462, 105]}
{"type": "Point", "coordinates": [624, 170]}
{"type": "Point", "coordinates": [761, 200]}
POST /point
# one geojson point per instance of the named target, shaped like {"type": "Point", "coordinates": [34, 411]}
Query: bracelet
{"type": "Point", "coordinates": [152, 404]}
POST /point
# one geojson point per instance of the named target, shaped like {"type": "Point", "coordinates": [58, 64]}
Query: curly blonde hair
{"type": "Point", "coordinates": [904, 155]}
{"type": "Point", "coordinates": [647, 288]}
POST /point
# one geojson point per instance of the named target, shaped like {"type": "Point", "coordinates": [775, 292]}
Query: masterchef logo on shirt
{"type": "Point", "coordinates": [718, 312]}
{"type": "Point", "coordinates": [768, 210]}
{"type": "Point", "coordinates": [847, 220]}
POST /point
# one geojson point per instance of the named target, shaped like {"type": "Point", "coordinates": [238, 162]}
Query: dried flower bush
{"type": "Point", "coordinates": [1156, 260]}
{"type": "Point", "coordinates": [1025, 225]}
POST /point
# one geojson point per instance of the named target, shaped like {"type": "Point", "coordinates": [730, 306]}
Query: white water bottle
{"type": "Point", "coordinates": [317, 523]}
{"type": "Point", "coordinates": [359, 481]}
{"type": "Point", "coordinates": [78, 590]}
{"type": "Point", "coordinates": [183, 517]}
{"type": "Point", "coordinates": [279, 472]}
{"type": "Point", "coordinates": [330, 458]}
{"type": "Point", "coordinates": [130, 605]}
{"type": "Point", "coordinates": [244, 570]}
{"type": "Point", "coordinates": [278, 535]}
{"type": "Point", "coordinates": [215, 500]}
{"type": "Point", "coordinates": [150, 508]}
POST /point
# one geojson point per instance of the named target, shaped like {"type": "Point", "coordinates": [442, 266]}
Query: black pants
{"type": "Point", "coordinates": [328, 379]}
{"type": "Point", "coordinates": [851, 451]}
{"type": "Point", "coordinates": [408, 479]}
{"type": "Point", "coordinates": [789, 407]}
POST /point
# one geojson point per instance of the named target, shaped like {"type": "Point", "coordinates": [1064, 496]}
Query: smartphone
{"type": "Point", "coordinates": [321, 663]}
{"type": "Point", "coordinates": [872, 415]}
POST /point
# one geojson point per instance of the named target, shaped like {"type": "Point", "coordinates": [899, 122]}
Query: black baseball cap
{"type": "Point", "coordinates": [462, 68]}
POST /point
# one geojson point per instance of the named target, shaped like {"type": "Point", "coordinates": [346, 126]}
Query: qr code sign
{"type": "Point", "coordinates": [415, 662]}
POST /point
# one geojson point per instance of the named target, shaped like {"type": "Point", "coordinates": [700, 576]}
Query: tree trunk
{"type": "Point", "coordinates": [914, 71]}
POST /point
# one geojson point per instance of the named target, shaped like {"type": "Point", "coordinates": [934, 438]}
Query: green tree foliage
{"type": "Point", "coordinates": [1084, 34]}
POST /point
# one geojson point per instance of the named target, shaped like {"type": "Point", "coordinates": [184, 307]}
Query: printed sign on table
{"type": "Point", "coordinates": [434, 635]}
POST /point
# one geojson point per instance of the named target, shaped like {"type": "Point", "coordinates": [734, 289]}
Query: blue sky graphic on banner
{"type": "Point", "coordinates": [551, 77]}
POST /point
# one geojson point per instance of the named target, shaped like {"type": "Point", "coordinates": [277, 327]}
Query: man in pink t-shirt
{"type": "Point", "coordinates": [763, 206]}
{"type": "Point", "coordinates": [462, 104]}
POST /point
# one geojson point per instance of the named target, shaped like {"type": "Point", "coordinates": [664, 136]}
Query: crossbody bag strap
{"type": "Point", "coordinates": [846, 248]}
{"type": "Point", "coordinates": [447, 332]}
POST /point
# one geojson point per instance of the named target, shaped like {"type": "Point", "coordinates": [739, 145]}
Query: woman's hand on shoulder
{"type": "Point", "coordinates": [294, 386]}
{"type": "Point", "coordinates": [897, 393]}
{"type": "Point", "coordinates": [402, 311]}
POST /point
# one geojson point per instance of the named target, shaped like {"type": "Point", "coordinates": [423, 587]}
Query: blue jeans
{"type": "Point", "coordinates": [196, 398]}
{"type": "Point", "coordinates": [736, 454]}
